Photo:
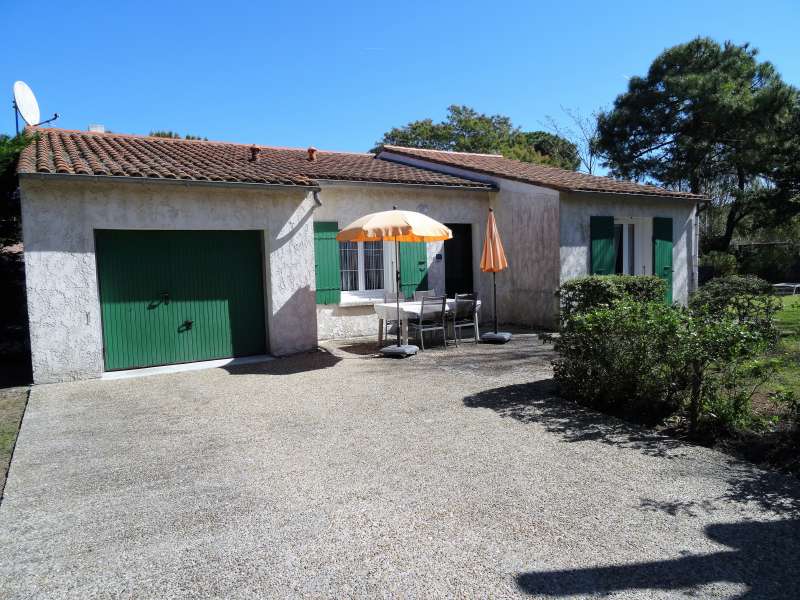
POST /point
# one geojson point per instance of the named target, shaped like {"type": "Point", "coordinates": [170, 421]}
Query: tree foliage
{"type": "Point", "coordinates": [10, 148]}
{"type": "Point", "coordinates": [466, 130]}
{"type": "Point", "coordinates": [710, 118]}
{"type": "Point", "coordinates": [176, 136]}
{"type": "Point", "coordinates": [582, 129]}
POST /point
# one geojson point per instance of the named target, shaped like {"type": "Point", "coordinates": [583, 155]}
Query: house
{"type": "Point", "coordinates": [144, 251]}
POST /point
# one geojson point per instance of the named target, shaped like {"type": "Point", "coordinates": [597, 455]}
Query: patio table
{"type": "Point", "coordinates": [410, 310]}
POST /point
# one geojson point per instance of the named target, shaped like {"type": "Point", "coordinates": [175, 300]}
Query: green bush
{"type": "Point", "coordinates": [725, 368]}
{"type": "Point", "coordinates": [744, 298]}
{"type": "Point", "coordinates": [728, 392]}
{"type": "Point", "coordinates": [584, 294]}
{"type": "Point", "coordinates": [623, 359]}
{"type": "Point", "coordinates": [645, 361]}
{"type": "Point", "coordinates": [719, 263]}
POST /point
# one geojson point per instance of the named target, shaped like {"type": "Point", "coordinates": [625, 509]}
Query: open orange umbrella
{"type": "Point", "coordinates": [400, 226]}
{"type": "Point", "coordinates": [493, 259]}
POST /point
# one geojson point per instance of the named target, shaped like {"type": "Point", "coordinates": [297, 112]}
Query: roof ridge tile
{"type": "Point", "coordinates": [123, 155]}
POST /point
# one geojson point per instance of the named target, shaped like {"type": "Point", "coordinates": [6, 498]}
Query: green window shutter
{"type": "Point", "coordinates": [326, 263]}
{"type": "Point", "coordinates": [603, 255]}
{"type": "Point", "coordinates": [662, 252]}
{"type": "Point", "coordinates": [413, 267]}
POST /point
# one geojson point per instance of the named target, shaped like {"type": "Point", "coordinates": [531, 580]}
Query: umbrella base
{"type": "Point", "coordinates": [501, 337]}
{"type": "Point", "coordinates": [395, 351]}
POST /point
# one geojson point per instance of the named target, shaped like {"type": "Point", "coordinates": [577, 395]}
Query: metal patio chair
{"type": "Point", "coordinates": [432, 317]}
{"type": "Point", "coordinates": [465, 314]}
{"type": "Point", "coordinates": [420, 294]}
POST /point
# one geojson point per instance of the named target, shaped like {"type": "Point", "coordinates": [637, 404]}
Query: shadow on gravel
{"type": "Point", "coordinates": [360, 348]}
{"type": "Point", "coordinates": [773, 491]}
{"type": "Point", "coordinates": [289, 365]}
{"type": "Point", "coordinates": [538, 402]}
{"type": "Point", "coordinates": [764, 557]}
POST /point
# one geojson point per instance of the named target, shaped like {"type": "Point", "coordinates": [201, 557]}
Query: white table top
{"type": "Point", "coordinates": [409, 308]}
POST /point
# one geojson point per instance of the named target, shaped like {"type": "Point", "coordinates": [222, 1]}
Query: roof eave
{"type": "Point", "coordinates": [164, 180]}
{"type": "Point", "coordinates": [665, 196]}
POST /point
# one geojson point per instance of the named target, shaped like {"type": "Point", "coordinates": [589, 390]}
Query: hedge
{"type": "Point", "coordinates": [584, 294]}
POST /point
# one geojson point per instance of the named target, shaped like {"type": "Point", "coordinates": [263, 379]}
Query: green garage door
{"type": "Point", "coordinates": [179, 296]}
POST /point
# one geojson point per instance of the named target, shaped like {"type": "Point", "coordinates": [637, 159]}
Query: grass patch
{"type": "Point", "coordinates": [789, 317]}
{"type": "Point", "coordinates": [778, 443]}
{"type": "Point", "coordinates": [12, 407]}
{"type": "Point", "coordinates": [788, 322]}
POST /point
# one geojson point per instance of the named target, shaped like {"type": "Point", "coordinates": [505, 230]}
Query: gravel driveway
{"type": "Point", "coordinates": [337, 474]}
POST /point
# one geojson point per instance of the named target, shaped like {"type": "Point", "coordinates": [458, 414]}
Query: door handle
{"type": "Point", "coordinates": [165, 297]}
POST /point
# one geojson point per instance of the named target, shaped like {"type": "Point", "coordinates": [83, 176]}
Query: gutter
{"type": "Point", "coordinates": [185, 182]}
{"type": "Point", "coordinates": [429, 186]}
{"type": "Point", "coordinates": [641, 195]}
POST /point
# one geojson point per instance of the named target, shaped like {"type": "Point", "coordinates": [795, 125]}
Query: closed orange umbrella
{"type": "Point", "coordinates": [493, 259]}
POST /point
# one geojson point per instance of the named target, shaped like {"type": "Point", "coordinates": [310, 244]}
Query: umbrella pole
{"type": "Point", "coordinates": [397, 287]}
{"type": "Point", "coordinates": [494, 302]}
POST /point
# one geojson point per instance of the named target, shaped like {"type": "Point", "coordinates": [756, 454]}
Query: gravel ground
{"type": "Point", "coordinates": [338, 474]}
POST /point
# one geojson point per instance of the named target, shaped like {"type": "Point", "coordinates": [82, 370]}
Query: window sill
{"type": "Point", "coordinates": [365, 302]}
{"type": "Point", "coordinates": [355, 299]}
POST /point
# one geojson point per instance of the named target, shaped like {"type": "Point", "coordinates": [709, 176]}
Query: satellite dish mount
{"type": "Point", "coordinates": [25, 106]}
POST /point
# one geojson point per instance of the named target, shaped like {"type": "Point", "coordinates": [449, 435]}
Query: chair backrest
{"type": "Point", "coordinates": [420, 294]}
{"type": "Point", "coordinates": [466, 305]}
{"type": "Point", "coordinates": [433, 308]}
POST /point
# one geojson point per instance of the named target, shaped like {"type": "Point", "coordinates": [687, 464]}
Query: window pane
{"type": "Point", "coordinates": [373, 265]}
{"type": "Point", "coordinates": [348, 259]}
{"type": "Point", "coordinates": [618, 266]}
{"type": "Point", "coordinates": [631, 250]}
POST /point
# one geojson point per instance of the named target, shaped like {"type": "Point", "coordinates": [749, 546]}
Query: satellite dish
{"type": "Point", "coordinates": [26, 103]}
{"type": "Point", "coordinates": [25, 106]}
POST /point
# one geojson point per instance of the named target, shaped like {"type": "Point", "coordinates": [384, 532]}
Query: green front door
{"type": "Point", "coordinates": [413, 267]}
{"type": "Point", "coordinates": [179, 296]}
{"type": "Point", "coordinates": [662, 252]}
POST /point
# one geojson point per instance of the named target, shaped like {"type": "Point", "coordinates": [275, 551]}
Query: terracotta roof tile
{"type": "Point", "coordinates": [88, 153]}
{"type": "Point", "coordinates": [552, 177]}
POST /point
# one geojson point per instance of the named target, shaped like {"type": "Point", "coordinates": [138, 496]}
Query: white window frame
{"type": "Point", "coordinates": [361, 296]}
{"type": "Point", "coordinates": [643, 246]}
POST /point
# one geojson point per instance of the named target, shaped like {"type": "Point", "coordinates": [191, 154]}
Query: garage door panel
{"type": "Point", "coordinates": [180, 296]}
{"type": "Point", "coordinates": [133, 276]}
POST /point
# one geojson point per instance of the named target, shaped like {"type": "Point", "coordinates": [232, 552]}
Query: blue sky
{"type": "Point", "coordinates": [338, 74]}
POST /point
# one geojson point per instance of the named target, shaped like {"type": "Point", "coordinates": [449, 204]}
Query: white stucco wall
{"type": "Point", "coordinates": [528, 220]}
{"type": "Point", "coordinates": [576, 210]}
{"type": "Point", "coordinates": [345, 203]}
{"type": "Point", "coordinates": [546, 237]}
{"type": "Point", "coordinates": [59, 218]}
{"type": "Point", "coordinates": [527, 217]}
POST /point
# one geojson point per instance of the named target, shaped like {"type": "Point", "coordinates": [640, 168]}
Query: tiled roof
{"type": "Point", "coordinates": [88, 153]}
{"type": "Point", "coordinates": [552, 177]}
